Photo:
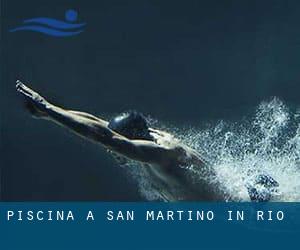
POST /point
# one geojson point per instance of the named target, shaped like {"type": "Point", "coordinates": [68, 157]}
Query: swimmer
{"type": "Point", "coordinates": [129, 136]}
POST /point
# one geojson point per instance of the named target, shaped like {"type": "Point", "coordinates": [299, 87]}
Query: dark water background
{"type": "Point", "coordinates": [182, 62]}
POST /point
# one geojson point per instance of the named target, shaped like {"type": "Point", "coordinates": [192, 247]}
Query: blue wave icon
{"type": "Point", "coordinates": [53, 27]}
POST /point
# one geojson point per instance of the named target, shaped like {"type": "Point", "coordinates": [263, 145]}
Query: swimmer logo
{"type": "Point", "coordinates": [53, 27]}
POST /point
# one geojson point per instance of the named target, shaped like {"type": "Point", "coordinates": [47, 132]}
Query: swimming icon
{"type": "Point", "coordinates": [53, 27]}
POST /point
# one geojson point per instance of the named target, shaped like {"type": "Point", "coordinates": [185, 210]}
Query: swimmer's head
{"type": "Point", "coordinates": [132, 125]}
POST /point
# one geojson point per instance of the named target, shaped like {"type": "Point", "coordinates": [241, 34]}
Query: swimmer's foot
{"type": "Point", "coordinates": [34, 103]}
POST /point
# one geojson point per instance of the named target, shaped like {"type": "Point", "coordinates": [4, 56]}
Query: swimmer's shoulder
{"type": "Point", "coordinates": [185, 155]}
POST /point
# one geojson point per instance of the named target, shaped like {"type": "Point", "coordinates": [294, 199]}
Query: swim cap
{"type": "Point", "coordinates": [132, 125]}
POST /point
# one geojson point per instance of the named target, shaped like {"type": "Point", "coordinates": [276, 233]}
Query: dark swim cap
{"type": "Point", "coordinates": [132, 125]}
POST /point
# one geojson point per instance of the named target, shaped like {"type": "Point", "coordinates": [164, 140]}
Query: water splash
{"type": "Point", "coordinates": [267, 142]}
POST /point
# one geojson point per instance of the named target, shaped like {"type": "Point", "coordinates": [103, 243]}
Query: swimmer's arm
{"type": "Point", "coordinates": [87, 115]}
{"type": "Point", "coordinates": [83, 124]}
{"type": "Point", "coordinates": [96, 129]}
{"type": "Point", "coordinates": [142, 150]}
{"type": "Point", "coordinates": [34, 100]}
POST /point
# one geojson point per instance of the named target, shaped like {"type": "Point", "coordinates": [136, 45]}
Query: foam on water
{"type": "Point", "coordinates": [267, 142]}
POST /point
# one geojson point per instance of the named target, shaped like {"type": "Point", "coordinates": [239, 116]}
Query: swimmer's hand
{"type": "Point", "coordinates": [35, 103]}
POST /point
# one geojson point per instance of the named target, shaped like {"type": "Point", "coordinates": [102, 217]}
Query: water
{"type": "Point", "coordinates": [267, 141]}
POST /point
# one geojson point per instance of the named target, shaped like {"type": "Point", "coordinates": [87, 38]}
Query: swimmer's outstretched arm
{"type": "Point", "coordinates": [95, 129]}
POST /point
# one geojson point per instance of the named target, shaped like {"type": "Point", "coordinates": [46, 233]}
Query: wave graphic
{"type": "Point", "coordinates": [53, 23]}
{"type": "Point", "coordinates": [48, 31]}
{"type": "Point", "coordinates": [53, 27]}
{"type": "Point", "coordinates": [268, 141]}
